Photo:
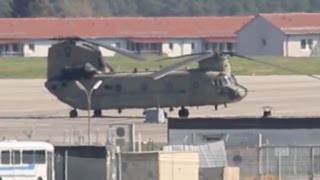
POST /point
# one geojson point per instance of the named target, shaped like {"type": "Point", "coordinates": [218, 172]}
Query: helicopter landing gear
{"type": "Point", "coordinates": [97, 113]}
{"type": "Point", "coordinates": [73, 113]}
{"type": "Point", "coordinates": [183, 112]}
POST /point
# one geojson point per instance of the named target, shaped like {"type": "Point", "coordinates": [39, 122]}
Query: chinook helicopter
{"type": "Point", "coordinates": [75, 60]}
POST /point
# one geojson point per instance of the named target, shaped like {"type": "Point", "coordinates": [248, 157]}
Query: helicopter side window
{"type": "Point", "coordinates": [118, 88]}
{"type": "Point", "coordinates": [144, 87]}
{"type": "Point", "coordinates": [196, 84]}
{"type": "Point", "coordinates": [107, 87]}
{"type": "Point", "coordinates": [169, 86]}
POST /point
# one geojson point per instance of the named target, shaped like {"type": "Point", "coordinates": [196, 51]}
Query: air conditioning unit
{"type": "Point", "coordinates": [119, 134]}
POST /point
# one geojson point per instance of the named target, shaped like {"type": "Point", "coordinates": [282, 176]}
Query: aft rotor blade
{"type": "Point", "coordinates": [117, 50]}
{"type": "Point", "coordinates": [274, 65]}
{"type": "Point", "coordinates": [161, 73]}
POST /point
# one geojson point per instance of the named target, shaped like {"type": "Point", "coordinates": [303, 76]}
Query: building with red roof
{"type": "Point", "coordinates": [172, 36]}
{"type": "Point", "coordinates": [280, 34]}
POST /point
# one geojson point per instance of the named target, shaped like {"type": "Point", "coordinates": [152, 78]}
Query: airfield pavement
{"type": "Point", "coordinates": [28, 108]}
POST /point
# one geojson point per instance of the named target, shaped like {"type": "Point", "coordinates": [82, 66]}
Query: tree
{"type": "Point", "coordinates": [19, 8]}
{"type": "Point", "coordinates": [76, 8]}
{"type": "Point", "coordinates": [30, 8]}
{"type": "Point", "coordinates": [150, 8]}
{"type": "Point", "coordinates": [4, 7]}
{"type": "Point", "coordinates": [40, 8]}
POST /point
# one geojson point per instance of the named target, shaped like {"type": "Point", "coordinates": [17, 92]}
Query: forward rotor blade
{"type": "Point", "coordinates": [274, 65]}
{"type": "Point", "coordinates": [187, 55]}
{"type": "Point", "coordinates": [117, 50]}
{"type": "Point", "coordinates": [161, 73]}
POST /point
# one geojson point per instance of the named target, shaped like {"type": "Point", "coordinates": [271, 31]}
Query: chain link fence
{"type": "Point", "coordinates": [276, 162]}
{"type": "Point", "coordinates": [290, 162]}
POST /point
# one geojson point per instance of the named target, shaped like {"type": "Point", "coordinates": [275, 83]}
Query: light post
{"type": "Point", "coordinates": [88, 94]}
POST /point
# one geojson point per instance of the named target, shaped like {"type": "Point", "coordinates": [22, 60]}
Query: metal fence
{"type": "Point", "coordinates": [269, 162]}
{"type": "Point", "coordinates": [290, 162]}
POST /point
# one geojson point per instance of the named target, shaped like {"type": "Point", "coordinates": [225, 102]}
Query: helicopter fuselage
{"type": "Point", "coordinates": [138, 90]}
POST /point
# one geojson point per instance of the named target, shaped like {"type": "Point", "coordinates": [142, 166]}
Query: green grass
{"type": "Point", "coordinates": [19, 67]}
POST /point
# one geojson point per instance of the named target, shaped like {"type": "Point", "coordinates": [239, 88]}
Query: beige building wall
{"type": "Point", "coordinates": [160, 166]}
{"type": "Point", "coordinates": [182, 47]}
{"type": "Point", "coordinates": [260, 37]}
{"type": "Point", "coordinates": [37, 48]}
{"type": "Point", "coordinates": [179, 165]}
{"type": "Point", "coordinates": [295, 47]}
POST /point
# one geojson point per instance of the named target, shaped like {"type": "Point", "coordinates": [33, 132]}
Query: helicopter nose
{"type": "Point", "coordinates": [242, 92]}
{"type": "Point", "coordinates": [236, 93]}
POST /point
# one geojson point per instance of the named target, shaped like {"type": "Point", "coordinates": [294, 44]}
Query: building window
{"type": "Point", "coordinates": [303, 44]}
{"type": "Point", "coordinates": [215, 46]}
{"type": "Point", "coordinates": [206, 46]}
{"type": "Point", "coordinates": [306, 44]}
{"type": "Point", "coordinates": [263, 42]}
{"type": "Point", "coordinates": [171, 46]}
{"type": "Point", "coordinates": [15, 48]}
{"type": "Point", "coordinates": [221, 47]}
{"type": "Point", "coordinates": [310, 44]}
{"type": "Point", "coordinates": [118, 45]}
{"type": "Point", "coordinates": [31, 47]}
{"type": "Point", "coordinates": [192, 46]}
{"type": "Point", "coordinates": [229, 46]}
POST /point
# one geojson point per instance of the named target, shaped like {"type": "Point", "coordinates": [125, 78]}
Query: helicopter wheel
{"type": "Point", "coordinates": [73, 113]}
{"type": "Point", "coordinates": [183, 112]}
{"type": "Point", "coordinates": [97, 113]}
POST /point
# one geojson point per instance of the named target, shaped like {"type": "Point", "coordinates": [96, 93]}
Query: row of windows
{"type": "Point", "coordinates": [24, 157]}
{"type": "Point", "coordinates": [219, 46]}
{"type": "Point", "coordinates": [144, 86]}
{"type": "Point", "coordinates": [170, 86]}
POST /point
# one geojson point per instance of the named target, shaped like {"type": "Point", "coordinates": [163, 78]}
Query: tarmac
{"type": "Point", "coordinates": [29, 111]}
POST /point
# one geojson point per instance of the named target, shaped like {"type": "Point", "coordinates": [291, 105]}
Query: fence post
{"type": "Point", "coordinates": [311, 163]}
{"type": "Point", "coordinates": [66, 165]}
{"type": "Point", "coordinates": [132, 132]}
{"type": "Point", "coordinates": [260, 156]}
{"type": "Point", "coordinates": [119, 163]}
{"type": "Point", "coordinates": [279, 167]}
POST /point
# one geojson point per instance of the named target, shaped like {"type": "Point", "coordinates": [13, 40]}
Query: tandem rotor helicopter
{"type": "Point", "coordinates": [75, 61]}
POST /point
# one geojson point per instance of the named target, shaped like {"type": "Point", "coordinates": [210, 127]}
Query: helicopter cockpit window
{"type": "Point", "coordinates": [224, 81]}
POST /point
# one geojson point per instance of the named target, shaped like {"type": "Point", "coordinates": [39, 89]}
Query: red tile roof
{"type": "Point", "coordinates": [295, 23]}
{"type": "Point", "coordinates": [123, 27]}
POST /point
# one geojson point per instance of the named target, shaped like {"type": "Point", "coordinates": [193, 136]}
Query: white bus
{"type": "Point", "coordinates": [26, 160]}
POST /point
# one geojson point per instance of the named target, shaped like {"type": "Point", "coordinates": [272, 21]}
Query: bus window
{"type": "Point", "coordinates": [27, 157]}
{"type": "Point", "coordinates": [40, 157]}
{"type": "Point", "coordinates": [5, 157]}
{"type": "Point", "coordinates": [16, 157]}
